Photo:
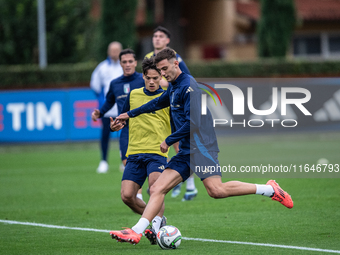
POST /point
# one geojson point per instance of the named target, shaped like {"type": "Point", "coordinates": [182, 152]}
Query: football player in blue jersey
{"type": "Point", "coordinates": [118, 92]}
{"type": "Point", "coordinates": [160, 40]}
{"type": "Point", "coordinates": [198, 147]}
{"type": "Point", "coordinates": [146, 132]}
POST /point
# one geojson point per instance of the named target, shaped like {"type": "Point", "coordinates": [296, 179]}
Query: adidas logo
{"type": "Point", "coordinates": [189, 90]}
{"type": "Point", "coordinates": [330, 110]}
{"type": "Point", "coordinates": [161, 167]}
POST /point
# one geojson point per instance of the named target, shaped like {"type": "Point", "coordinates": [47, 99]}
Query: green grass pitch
{"type": "Point", "coordinates": [57, 184]}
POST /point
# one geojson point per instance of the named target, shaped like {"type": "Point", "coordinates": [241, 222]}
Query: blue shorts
{"type": "Point", "coordinates": [203, 165]}
{"type": "Point", "coordinates": [123, 142]}
{"type": "Point", "coordinates": [139, 166]}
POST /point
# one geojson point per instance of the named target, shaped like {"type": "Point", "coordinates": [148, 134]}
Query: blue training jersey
{"type": "Point", "coordinates": [195, 132]}
{"type": "Point", "coordinates": [119, 90]}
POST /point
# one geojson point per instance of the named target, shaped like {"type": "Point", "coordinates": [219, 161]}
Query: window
{"type": "Point", "coordinates": [334, 44]}
{"type": "Point", "coordinates": [325, 45]}
{"type": "Point", "coordinates": [309, 45]}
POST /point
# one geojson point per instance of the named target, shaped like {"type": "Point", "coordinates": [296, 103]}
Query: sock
{"type": "Point", "coordinates": [265, 190]}
{"type": "Point", "coordinates": [141, 225]}
{"type": "Point", "coordinates": [140, 196]}
{"type": "Point", "coordinates": [156, 223]}
{"type": "Point", "coordinates": [191, 183]}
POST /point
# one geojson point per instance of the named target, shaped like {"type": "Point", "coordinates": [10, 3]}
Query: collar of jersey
{"type": "Point", "coordinates": [178, 80]}
{"type": "Point", "coordinates": [149, 93]}
{"type": "Point", "coordinates": [130, 77]}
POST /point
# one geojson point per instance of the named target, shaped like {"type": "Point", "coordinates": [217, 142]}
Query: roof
{"type": "Point", "coordinates": [249, 9]}
{"type": "Point", "coordinates": [306, 9]}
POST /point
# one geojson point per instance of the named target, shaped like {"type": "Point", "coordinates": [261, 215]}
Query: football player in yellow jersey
{"type": "Point", "coordinates": [160, 40]}
{"type": "Point", "coordinates": [144, 157]}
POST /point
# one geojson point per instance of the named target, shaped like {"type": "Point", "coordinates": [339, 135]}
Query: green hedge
{"type": "Point", "coordinates": [73, 75]}
{"type": "Point", "coordinates": [30, 76]}
{"type": "Point", "coordinates": [265, 68]}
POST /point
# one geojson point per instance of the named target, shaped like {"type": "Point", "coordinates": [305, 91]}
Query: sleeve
{"type": "Point", "coordinates": [109, 102]}
{"type": "Point", "coordinates": [185, 129]}
{"type": "Point", "coordinates": [126, 107]}
{"type": "Point", "coordinates": [95, 83]}
{"type": "Point", "coordinates": [156, 104]}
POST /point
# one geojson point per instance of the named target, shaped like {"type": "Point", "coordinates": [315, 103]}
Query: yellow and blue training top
{"type": "Point", "coordinates": [147, 131]}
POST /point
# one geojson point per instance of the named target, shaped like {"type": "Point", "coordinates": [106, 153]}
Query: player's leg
{"type": "Point", "coordinates": [133, 178]}
{"type": "Point", "coordinates": [104, 145]}
{"type": "Point", "coordinates": [153, 177]}
{"type": "Point", "coordinates": [128, 193]}
{"type": "Point", "coordinates": [217, 189]}
{"type": "Point", "coordinates": [177, 189]}
{"type": "Point", "coordinates": [123, 145]}
{"type": "Point", "coordinates": [155, 165]}
{"type": "Point", "coordinates": [211, 177]}
{"type": "Point", "coordinates": [166, 181]}
{"type": "Point", "coordinates": [151, 232]}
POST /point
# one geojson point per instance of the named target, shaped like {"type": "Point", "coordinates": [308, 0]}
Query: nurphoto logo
{"type": "Point", "coordinates": [238, 99]}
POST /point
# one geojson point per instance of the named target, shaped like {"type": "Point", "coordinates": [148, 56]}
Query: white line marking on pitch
{"type": "Point", "coordinates": [184, 238]}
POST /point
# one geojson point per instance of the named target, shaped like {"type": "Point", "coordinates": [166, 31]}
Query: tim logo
{"type": "Point", "coordinates": [204, 97]}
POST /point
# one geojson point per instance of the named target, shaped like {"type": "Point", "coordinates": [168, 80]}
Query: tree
{"type": "Point", "coordinates": [275, 27]}
{"type": "Point", "coordinates": [117, 24]}
{"type": "Point", "coordinates": [67, 23]}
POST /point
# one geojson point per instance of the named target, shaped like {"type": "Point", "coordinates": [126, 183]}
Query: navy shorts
{"type": "Point", "coordinates": [123, 142]}
{"type": "Point", "coordinates": [203, 165]}
{"type": "Point", "coordinates": [139, 166]}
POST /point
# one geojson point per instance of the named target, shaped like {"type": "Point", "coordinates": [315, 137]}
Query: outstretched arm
{"type": "Point", "coordinates": [154, 105]}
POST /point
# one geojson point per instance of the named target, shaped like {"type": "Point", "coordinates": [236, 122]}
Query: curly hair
{"type": "Point", "coordinates": [149, 64]}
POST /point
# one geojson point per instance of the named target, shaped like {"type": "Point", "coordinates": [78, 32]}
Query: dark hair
{"type": "Point", "coordinates": [127, 51]}
{"type": "Point", "coordinates": [162, 29]}
{"type": "Point", "coordinates": [149, 64]}
{"type": "Point", "coordinates": [166, 53]}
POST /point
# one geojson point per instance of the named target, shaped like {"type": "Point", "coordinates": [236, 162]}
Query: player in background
{"type": "Point", "coordinates": [160, 40]}
{"type": "Point", "coordinates": [144, 157]}
{"type": "Point", "coordinates": [118, 92]}
{"type": "Point", "coordinates": [101, 77]}
{"type": "Point", "coordinates": [198, 147]}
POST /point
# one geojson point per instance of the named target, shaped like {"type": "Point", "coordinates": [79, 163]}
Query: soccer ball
{"type": "Point", "coordinates": [169, 237]}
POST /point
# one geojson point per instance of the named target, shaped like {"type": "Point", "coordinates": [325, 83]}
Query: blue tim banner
{"type": "Point", "coordinates": [48, 115]}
